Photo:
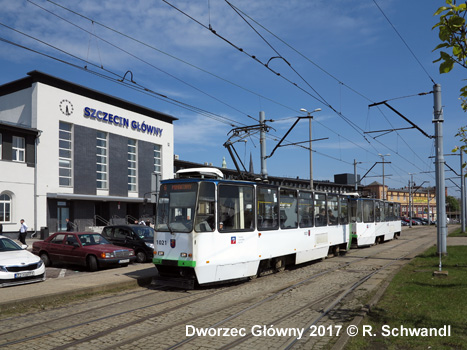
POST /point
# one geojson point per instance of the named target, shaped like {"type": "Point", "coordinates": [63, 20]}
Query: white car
{"type": "Point", "coordinates": [17, 265]}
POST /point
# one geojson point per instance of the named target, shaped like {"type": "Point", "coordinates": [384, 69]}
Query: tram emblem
{"type": "Point", "coordinates": [233, 240]}
{"type": "Point", "coordinates": [172, 243]}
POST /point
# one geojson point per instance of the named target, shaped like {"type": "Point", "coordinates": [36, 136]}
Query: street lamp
{"type": "Point", "coordinates": [311, 153]}
{"type": "Point", "coordinates": [384, 188]}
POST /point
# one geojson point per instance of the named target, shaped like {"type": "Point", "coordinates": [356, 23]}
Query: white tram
{"type": "Point", "coordinates": [210, 230]}
{"type": "Point", "coordinates": [373, 221]}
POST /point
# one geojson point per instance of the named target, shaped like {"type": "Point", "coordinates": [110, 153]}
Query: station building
{"type": "Point", "coordinates": [67, 151]}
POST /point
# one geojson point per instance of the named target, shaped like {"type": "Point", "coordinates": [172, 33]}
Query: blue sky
{"type": "Point", "coordinates": [344, 55]}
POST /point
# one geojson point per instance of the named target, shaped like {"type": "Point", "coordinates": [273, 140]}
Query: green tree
{"type": "Point", "coordinates": [453, 36]}
{"type": "Point", "coordinates": [453, 50]}
{"type": "Point", "coordinates": [452, 203]}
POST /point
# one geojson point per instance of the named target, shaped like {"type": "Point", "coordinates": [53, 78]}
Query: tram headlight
{"type": "Point", "coordinates": [160, 252]}
{"type": "Point", "coordinates": [183, 255]}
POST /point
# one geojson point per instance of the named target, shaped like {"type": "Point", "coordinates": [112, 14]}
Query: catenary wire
{"type": "Point", "coordinates": [338, 134]}
{"type": "Point", "coordinates": [93, 21]}
{"type": "Point", "coordinates": [405, 43]}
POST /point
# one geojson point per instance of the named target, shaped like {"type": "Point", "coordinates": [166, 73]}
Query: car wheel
{"type": "Point", "coordinates": [92, 263]}
{"type": "Point", "coordinates": [45, 259]}
{"type": "Point", "coordinates": [140, 257]}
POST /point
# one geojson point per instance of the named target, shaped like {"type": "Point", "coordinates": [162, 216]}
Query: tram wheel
{"type": "Point", "coordinates": [335, 250]}
{"type": "Point", "coordinates": [279, 265]}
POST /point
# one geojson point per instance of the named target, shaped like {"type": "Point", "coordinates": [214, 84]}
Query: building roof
{"type": "Point", "coordinates": [40, 77]}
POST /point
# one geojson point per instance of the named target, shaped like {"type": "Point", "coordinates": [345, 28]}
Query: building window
{"type": "Point", "coordinates": [132, 165]}
{"type": "Point", "coordinates": [64, 154]}
{"type": "Point", "coordinates": [157, 159]}
{"type": "Point", "coordinates": [101, 160]}
{"type": "Point", "coordinates": [18, 149]}
{"type": "Point", "coordinates": [5, 208]}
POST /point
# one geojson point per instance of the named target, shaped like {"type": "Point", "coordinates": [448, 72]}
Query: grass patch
{"type": "Point", "coordinates": [457, 233]}
{"type": "Point", "coordinates": [416, 299]}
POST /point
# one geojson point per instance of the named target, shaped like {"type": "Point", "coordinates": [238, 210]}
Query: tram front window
{"type": "Point", "coordinates": [176, 207]}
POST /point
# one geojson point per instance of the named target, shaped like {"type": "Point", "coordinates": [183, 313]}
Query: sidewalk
{"type": "Point", "coordinates": [450, 241]}
{"type": "Point", "coordinates": [50, 289]}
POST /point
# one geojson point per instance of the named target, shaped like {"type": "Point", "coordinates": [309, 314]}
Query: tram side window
{"type": "Point", "coordinates": [397, 211]}
{"type": "Point", "coordinates": [305, 209]}
{"type": "Point", "coordinates": [387, 217]}
{"type": "Point", "coordinates": [333, 209]}
{"type": "Point", "coordinates": [236, 208]}
{"type": "Point", "coordinates": [368, 211]}
{"type": "Point", "coordinates": [204, 220]}
{"type": "Point", "coordinates": [356, 210]}
{"type": "Point", "coordinates": [321, 216]}
{"type": "Point", "coordinates": [378, 210]}
{"type": "Point", "coordinates": [383, 211]}
{"type": "Point", "coordinates": [288, 208]}
{"type": "Point", "coordinates": [267, 208]}
{"type": "Point", "coordinates": [391, 215]}
{"type": "Point", "coordinates": [343, 210]}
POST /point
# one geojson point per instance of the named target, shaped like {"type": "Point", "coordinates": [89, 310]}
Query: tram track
{"type": "Point", "coordinates": [335, 298]}
{"type": "Point", "coordinates": [246, 304]}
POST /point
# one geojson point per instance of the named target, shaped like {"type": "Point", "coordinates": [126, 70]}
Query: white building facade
{"type": "Point", "coordinates": [68, 151]}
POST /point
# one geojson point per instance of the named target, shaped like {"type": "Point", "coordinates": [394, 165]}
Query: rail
{"type": "Point", "coordinates": [131, 219]}
{"type": "Point", "coordinates": [100, 221]}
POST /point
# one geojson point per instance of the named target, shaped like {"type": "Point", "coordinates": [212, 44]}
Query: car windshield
{"type": "Point", "coordinates": [92, 239]}
{"type": "Point", "coordinates": [7, 245]}
{"type": "Point", "coordinates": [144, 232]}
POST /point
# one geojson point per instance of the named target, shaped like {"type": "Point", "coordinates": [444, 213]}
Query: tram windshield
{"type": "Point", "coordinates": [176, 207]}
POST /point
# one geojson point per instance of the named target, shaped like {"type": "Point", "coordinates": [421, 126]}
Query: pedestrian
{"type": "Point", "coordinates": [69, 225]}
{"type": "Point", "coordinates": [23, 231]}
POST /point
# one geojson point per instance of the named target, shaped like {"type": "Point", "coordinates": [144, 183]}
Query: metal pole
{"type": "Point", "coordinates": [428, 200]}
{"type": "Point", "coordinates": [311, 155]}
{"type": "Point", "coordinates": [410, 200]}
{"type": "Point", "coordinates": [384, 188]}
{"type": "Point", "coordinates": [462, 191]}
{"type": "Point", "coordinates": [262, 141]}
{"type": "Point", "coordinates": [440, 181]}
{"type": "Point", "coordinates": [355, 174]}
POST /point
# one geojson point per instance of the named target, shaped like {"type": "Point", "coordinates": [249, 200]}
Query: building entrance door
{"type": "Point", "coordinates": [63, 212]}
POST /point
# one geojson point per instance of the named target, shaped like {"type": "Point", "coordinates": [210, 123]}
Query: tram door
{"type": "Point", "coordinates": [63, 212]}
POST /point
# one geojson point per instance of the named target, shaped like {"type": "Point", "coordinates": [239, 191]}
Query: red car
{"type": "Point", "coordinates": [82, 248]}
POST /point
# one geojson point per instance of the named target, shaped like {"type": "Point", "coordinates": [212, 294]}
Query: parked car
{"type": "Point", "coordinates": [421, 221]}
{"type": "Point", "coordinates": [404, 223]}
{"type": "Point", "coordinates": [140, 238]}
{"type": "Point", "coordinates": [414, 222]}
{"type": "Point", "coordinates": [82, 248]}
{"type": "Point", "coordinates": [17, 265]}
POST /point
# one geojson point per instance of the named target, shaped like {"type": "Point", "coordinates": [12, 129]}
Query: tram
{"type": "Point", "coordinates": [210, 230]}
{"type": "Point", "coordinates": [373, 221]}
